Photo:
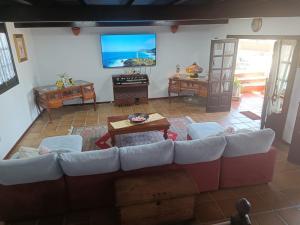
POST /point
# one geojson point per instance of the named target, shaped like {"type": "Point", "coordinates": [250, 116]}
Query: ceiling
{"type": "Point", "coordinates": [101, 2]}
{"type": "Point", "coordinates": [36, 13]}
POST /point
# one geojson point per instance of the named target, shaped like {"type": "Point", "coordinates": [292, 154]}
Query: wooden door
{"type": "Point", "coordinates": [280, 84]}
{"type": "Point", "coordinates": [220, 79]}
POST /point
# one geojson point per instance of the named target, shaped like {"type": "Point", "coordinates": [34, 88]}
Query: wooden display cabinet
{"type": "Point", "coordinates": [50, 97]}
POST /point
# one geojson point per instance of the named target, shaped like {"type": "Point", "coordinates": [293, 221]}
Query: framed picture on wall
{"type": "Point", "coordinates": [20, 47]}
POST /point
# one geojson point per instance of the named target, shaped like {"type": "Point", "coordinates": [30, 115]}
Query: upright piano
{"type": "Point", "coordinates": [130, 89]}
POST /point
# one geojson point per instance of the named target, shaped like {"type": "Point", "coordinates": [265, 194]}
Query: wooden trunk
{"type": "Point", "coordinates": [155, 199]}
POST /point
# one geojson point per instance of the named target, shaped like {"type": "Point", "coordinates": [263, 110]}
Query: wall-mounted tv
{"type": "Point", "coordinates": [128, 50]}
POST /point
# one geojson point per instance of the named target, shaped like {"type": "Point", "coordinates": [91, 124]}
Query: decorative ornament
{"type": "Point", "coordinates": [76, 30]}
{"type": "Point", "coordinates": [64, 81]}
{"type": "Point", "coordinates": [177, 68]}
{"type": "Point", "coordinates": [256, 24]}
{"type": "Point", "coordinates": [174, 28]}
{"type": "Point", "coordinates": [193, 70]}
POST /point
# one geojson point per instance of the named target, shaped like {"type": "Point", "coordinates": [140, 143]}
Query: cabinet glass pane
{"type": "Point", "coordinates": [215, 75]}
{"type": "Point", "coordinates": [228, 61]}
{"type": "Point", "coordinates": [217, 63]}
{"type": "Point", "coordinates": [214, 88]}
{"type": "Point", "coordinates": [283, 72]}
{"type": "Point", "coordinates": [229, 48]}
{"type": "Point", "coordinates": [227, 75]}
{"type": "Point", "coordinates": [287, 50]}
{"type": "Point", "coordinates": [218, 48]}
{"type": "Point", "coordinates": [226, 86]}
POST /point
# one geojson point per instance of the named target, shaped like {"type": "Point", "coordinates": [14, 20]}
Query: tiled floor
{"type": "Point", "coordinates": [78, 116]}
{"type": "Point", "coordinates": [275, 203]}
{"type": "Point", "coordinates": [250, 102]}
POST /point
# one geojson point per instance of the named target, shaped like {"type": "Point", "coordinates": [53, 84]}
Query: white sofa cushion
{"type": "Point", "coordinates": [249, 143]}
{"type": "Point", "coordinates": [142, 156]}
{"type": "Point", "coordinates": [204, 130]}
{"type": "Point", "coordinates": [35, 169]}
{"type": "Point", "coordinates": [90, 162]}
{"type": "Point", "coordinates": [61, 144]}
{"type": "Point", "coordinates": [202, 150]}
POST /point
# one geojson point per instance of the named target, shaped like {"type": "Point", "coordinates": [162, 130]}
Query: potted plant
{"type": "Point", "coordinates": [236, 91]}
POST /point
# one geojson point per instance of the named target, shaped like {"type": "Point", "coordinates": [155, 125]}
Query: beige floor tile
{"type": "Point", "coordinates": [208, 211]}
{"type": "Point", "coordinates": [291, 216]}
{"type": "Point", "coordinates": [269, 219]}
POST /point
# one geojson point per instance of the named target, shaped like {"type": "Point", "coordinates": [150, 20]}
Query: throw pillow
{"type": "Point", "coordinates": [25, 152]}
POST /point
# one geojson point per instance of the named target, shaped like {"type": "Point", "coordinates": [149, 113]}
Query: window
{"type": "Point", "coordinates": [8, 74]}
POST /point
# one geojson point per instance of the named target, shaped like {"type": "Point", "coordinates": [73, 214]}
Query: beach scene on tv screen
{"type": "Point", "coordinates": [128, 50]}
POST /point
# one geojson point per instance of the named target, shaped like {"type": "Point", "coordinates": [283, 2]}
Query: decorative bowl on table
{"type": "Point", "coordinates": [138, 117]}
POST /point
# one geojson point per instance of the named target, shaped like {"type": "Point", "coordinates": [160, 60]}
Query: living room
{"type": "Point", "coordinates": [46, 48]}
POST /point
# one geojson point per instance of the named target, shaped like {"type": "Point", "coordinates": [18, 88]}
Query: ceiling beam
{"type": "Point", "coordinates": [177, 2]}
{"type": "Point", "coordinates": [24, 2]}
{"type": "Point", "coordinates": [129, 2]}
{"type": "Point", "coordinates": [82, 2]}
{"type": "Point", "coordinates": [117, 24]}
{"type": "Point", "coordinates": [224, 9]}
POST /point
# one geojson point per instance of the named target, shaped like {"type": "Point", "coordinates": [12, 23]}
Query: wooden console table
{"type": "Point", "coordinates": [51, 97]}
{"type": "Point", "coordinates": [182, 83]}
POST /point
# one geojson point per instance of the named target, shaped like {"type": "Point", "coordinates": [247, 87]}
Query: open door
{"type": "Point", "coordinates": [220, 78]}
{"type": "Point", "coordinates": [279, 86]}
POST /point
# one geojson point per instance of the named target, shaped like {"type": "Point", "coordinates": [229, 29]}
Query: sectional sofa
{"type": "Point", "coordinates": [56, 183]}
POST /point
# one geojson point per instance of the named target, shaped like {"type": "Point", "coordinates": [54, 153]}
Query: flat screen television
{"type": "Point", "coordinates": [128, 50]}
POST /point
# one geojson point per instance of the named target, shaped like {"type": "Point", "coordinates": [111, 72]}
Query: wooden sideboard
{"type": "Point", "coordinates": [182, 83]}
{"type": "Point", "coordinates": [51, 97]}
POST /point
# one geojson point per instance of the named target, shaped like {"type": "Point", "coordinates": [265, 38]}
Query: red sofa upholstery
{"type": "Point", "coordinates": [247, 170]}
{"type": "Point", "coordinates": [206, 171]}
{"type": "Point", "coordinates": [71, 193]}
{"type": "Point", "coordinates": [94, 191]}
{"type": "Point", "coordinates": [24, 201]}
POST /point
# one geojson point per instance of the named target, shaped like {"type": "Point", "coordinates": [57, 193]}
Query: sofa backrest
{"type": "Point", "coordinates": [90, 162]}
{"type": "Point", "coordinates": [30, 170]}
{"type": "Point", "coordinates": [249, 143]}
{"type": "Point", "coordinates": [149, 155]}
{"type": "Point", "coordinates": [201, 150]}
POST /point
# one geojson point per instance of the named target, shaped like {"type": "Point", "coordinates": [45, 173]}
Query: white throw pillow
{"type": "Point", "coordinates": [25, 153]}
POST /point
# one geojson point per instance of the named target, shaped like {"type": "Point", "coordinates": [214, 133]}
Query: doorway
{"type": "Point", "coordinates": [253, 65]}
{"type": "Point", "coordinates": [279, 81]}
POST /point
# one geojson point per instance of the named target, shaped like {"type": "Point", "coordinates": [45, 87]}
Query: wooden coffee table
{"type": "Point", "coordinates": [159, 125]}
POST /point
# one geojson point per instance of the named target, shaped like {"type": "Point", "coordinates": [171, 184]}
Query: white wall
{"type": "Point", "coordinates": [17, 106]}
{"type": "Point", "coordinates": [59, 51]}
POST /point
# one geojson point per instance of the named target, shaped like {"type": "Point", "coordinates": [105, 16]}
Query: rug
{"type": "Point", "coordinates": [91, 135]}
{"type": "Point", "coordinates": [251, 115]}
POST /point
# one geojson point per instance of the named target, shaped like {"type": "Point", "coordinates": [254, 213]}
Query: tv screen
{"type": "Point", "coordinates": [128, 50]}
